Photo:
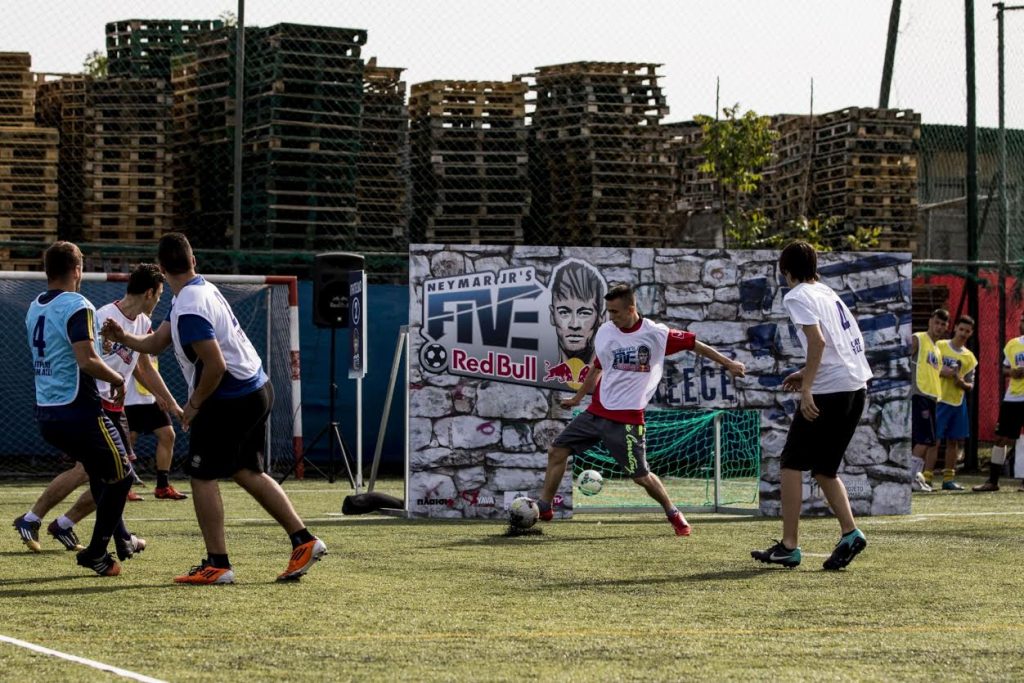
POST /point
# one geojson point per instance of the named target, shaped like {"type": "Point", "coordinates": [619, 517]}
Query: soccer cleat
{"type": "Point", "coordinates": [206, 574]}
{"type": "Point", "coordinates": [133, 497]}
{"type": "Point", "coordinates": [66, 537]}
{"type": "Point", "coordinates": [847, 549]}
{"type": "Point", "coordinates": [29, 532]}
{"type": "Point", "coordinates": [679, 524]}
{"type": "Point", "coordinates": [129, 547]}
{"type": "Point", "coordinates": [920, 483]}
{"type": "Point", "coordinates": [951, 486]}
{"type": "Point", "coordinates": [168, 493]}
{"type": "Point", "coordinates": [987, 486]}
{"type": "Point", "coordinates": [104, 565]}
{"type": "Point", "coordinates": [547, 515]}
{"type": "Point", "coordinates": [778, 554]}
{"type": "Point", "coordinates": [303, 558]}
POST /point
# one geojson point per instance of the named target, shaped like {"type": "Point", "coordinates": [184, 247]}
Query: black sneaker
{"type": "Point", "coordinates": [66, 537]}
{"type": "Point", "coordinates": [847, 549]}
{"type": "Point", "coordinates": [29, 532]}
{"type": "Point", "coordinates": [129, 547]}
{"type": "Point", "coordinates": [778, 554]}
{"type": "Point", "coordinates": [104, 565]}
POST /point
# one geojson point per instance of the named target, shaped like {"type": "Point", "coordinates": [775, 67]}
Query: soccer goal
{"type": "Point", "coordinates": [707, 459]}
{"type": "Point", "coordinates": [266, 308]}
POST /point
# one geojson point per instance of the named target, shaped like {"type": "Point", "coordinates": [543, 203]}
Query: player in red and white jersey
{"type": "Point", "coordinates": [630, 357]}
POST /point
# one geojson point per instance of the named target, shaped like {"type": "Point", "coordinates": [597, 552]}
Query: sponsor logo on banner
{"type": "Point", "coordinates": [509, 326]}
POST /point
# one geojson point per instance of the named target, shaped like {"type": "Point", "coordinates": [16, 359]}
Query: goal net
{"type": "Point", "coordinates": [266, 307]}
{"type": "Point", "coordinates": [706, 459]}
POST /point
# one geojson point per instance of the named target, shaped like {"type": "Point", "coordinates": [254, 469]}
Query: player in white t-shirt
{"type": "Point", "coordinates": [230, 397]}
{"type": "Point", "coordinates": [629, 359]}
{"type": "Point", "coordinates": [832, 386]}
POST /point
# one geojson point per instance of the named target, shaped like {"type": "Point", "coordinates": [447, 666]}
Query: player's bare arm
{"type": "Point", "coordinates": [214, 367]}
{"type": "Point", "coordinates": [734, 367]}
{"type": "Point", "coordinates": [815, 349]}
{"type": "Point", "coordinates": [149, 378]}
{"type": "Point", "coordinates": [91, 364]}
{"type": "Point", "coordinates": [593, 374]}
{"type": "Point", "coordinates": [153, 344]}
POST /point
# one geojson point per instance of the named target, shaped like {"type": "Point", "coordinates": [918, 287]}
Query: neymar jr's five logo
{"type": "Point", "coordinates": [509, 326]}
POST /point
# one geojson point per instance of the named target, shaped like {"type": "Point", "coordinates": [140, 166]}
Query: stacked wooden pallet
{"type": "Point", "coordinates": [127, 163]}
{"type": "Point", "coordinates": [28, 168]}
{"type": "Point", "coordinates": [469, 161]}
{"type": "Point", "coordinates": [382, 182]}
{"type": "Point", "coordinates": [144, 48]}
{"type": "Point", "coordinates": [609, 179]}
{"type": "Point", "coordinates": [787, 187]}
{"type": "Point", "coordinates": [303, 98]}
{"type": "Point", "coordinates": [186, 154]}
{"type": "Point", "coordinates": [865, 170]}
{"type": "Point", "coordinates": [62, 104]}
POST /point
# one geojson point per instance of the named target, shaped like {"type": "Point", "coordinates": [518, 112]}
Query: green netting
{"type": "Point", "coordinates": [681, 451]}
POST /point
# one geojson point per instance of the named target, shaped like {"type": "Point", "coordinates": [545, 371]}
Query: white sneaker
{"type": "Point", "coordinates": [920, 483]}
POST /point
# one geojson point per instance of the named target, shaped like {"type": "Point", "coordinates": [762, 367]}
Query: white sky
{"type": "Point", "coordinates": [765, 51]}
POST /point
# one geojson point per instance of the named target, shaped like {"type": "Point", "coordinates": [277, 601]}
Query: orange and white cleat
{"type": "Point", "coordinates": [206, 574]}
{"type": "Point", "coordinates": [303, 558]}
{"type": "Point", "coordinates": [168, 493]}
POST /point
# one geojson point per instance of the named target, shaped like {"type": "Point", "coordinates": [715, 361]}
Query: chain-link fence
{"type": "Point", "coordinates": [339, 153]}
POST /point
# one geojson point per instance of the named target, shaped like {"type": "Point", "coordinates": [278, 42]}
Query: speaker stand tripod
{"type": "Point", "coordinates": [336, 442]}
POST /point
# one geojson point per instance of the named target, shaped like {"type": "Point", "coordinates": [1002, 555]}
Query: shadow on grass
{"type": "Point", "coordinates": [108, 586]}
{"type": "Point", "coordinates": [645, 581]}
{"type": "Point", "coordinates": [502, 539]}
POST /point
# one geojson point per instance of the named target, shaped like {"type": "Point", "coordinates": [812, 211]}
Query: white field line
{"type": "Point", "coordinates": [124, 673]}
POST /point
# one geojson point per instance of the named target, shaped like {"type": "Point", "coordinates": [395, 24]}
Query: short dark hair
{"type": "Point", "coordinates": [941, 313]}
{"type": "Point", "coordinates": [800, 261]}
{"type": "Point", "coordinates": [175, 253]}
{"type": "Point", "coordinates": [621, 291]}
{"type": "Point", "coordinates": [966, 319]}
{"type": "Point", "coordinates": [60, 259]}
{"type": "Point", "coordinates": [145, 277]}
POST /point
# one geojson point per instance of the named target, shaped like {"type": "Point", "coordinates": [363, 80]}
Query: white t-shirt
{"type": "Point", "coordinates": [631, 364]}
{"type": "Point", "coordinates": [843, 364]}
{"type": "Point", "coordinates": [119, 357]}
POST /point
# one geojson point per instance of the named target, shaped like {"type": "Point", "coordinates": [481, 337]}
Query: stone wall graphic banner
{"type": "Point", "coordinates": [500, 333]}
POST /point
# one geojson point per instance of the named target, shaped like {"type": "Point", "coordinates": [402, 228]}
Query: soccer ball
{"type": "Point", "coordinates": [434, 357]}
{"type": "Point", "coordinates": [590, 482]}
{"type": "Point", "coordinates": [523, 513]}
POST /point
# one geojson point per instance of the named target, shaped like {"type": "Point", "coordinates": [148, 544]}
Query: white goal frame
{"type": "Point", "coordinates": [289, 281]}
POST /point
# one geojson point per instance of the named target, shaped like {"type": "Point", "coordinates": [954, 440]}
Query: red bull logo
{"type": "Point", "coordinates": [571, 372]}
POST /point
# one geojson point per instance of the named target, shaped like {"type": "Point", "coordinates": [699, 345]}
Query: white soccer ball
{"type": "Point", "coordinates": [590, 482]}
{"type": "Point", "coordinates": [523, 513]}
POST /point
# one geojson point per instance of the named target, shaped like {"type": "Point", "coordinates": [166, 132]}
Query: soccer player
{"type": "Point", "coordinates": [147, 415]}
{"type": "Point", "coordinates": [145, 286]}
{"type": "Point", "coordinates": [832, 386]}
{"type": "Point", "coordinates": [622, 386]}
{"type": "Point", "coordinates": [230, 397]}
{"type": "Point", "coordinates": [1011, 411]}
{"type": "Point", "coordinates": [61, 335]}
{"type": "Point", "coordinates": [956, 378]}
{"type": "Point", "coordinates": [925, 364]}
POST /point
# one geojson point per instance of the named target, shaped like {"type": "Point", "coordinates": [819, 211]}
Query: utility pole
{"type": "Point", "coordinates": [971, 451]}
{"type": "Point", "coordinates": [890, 55]}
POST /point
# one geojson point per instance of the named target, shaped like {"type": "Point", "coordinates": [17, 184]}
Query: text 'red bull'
{"type": "Point", "coordinates": [495, 365]}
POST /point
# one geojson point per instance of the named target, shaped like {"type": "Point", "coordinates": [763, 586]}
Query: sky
{"type": "Point", "coordinates": [764, 53]}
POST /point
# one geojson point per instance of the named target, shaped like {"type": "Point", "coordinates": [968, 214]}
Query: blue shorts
{"type": "Point", "coordinates": [951, 421]}
{"type": "Point", "coordinates": [922, 420]}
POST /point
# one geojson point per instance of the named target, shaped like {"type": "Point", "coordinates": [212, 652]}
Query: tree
{"type": "Point", "coordinates": [95, 64]}
{"type": "Point", "coordinates": [735, 150]}
{"type": "Point", "coordinates": [228, 17]}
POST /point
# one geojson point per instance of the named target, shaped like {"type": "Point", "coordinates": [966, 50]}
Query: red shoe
{"type": "Point", "coordinates": [134, 497]}
{"type": "Point", "coordinates": [168, 493]}
{"type": "Point", "coordinates": [547, 515]}
{"type": "Point", "coordinates": [679, 524]}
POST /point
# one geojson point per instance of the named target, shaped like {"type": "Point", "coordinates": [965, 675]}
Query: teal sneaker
{"type": "Point", "coordinates": [847, 549]}
{"type": "Point", "coordinates": [778, 554]}
{"type": "Point", "coordinates": [951, 486]}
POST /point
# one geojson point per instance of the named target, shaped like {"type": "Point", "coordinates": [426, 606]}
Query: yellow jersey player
{"type": "Point", "coordinates": [956, 379]}
{"type": "Point", "coordinates": [925, 364]}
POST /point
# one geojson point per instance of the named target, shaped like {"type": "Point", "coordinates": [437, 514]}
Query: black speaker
{"type": "Point", "coordinates": [330, 287]}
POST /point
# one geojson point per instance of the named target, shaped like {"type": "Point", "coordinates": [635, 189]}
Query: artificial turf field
{"type": "Point", "coordinates": [604, 597]}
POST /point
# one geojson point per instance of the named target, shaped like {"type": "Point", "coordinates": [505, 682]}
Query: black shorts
{"type": "Point", "coordinates": [94, 442]}
{"type": "Point", "coordinates": [146, 418]}
{"type": "Point", "coordinates": [922, 420]}
{"type": "Point", "coordinates": [819, 446]}
{"type": "Point", "coordinates": [120, 422]}
{"type": "Point", "coordinates": [627, 443]}
{"type": "Point", "coordinates": [228, 435]}
{"type": "Point", "coordinates": [1011, 419]}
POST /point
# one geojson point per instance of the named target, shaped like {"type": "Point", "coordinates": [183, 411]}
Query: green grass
{"type": "Point", "coordinates": [936, 596]}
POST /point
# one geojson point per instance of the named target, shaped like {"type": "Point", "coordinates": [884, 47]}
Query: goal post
{"type": "Point", "coordinates": [266, 307]}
